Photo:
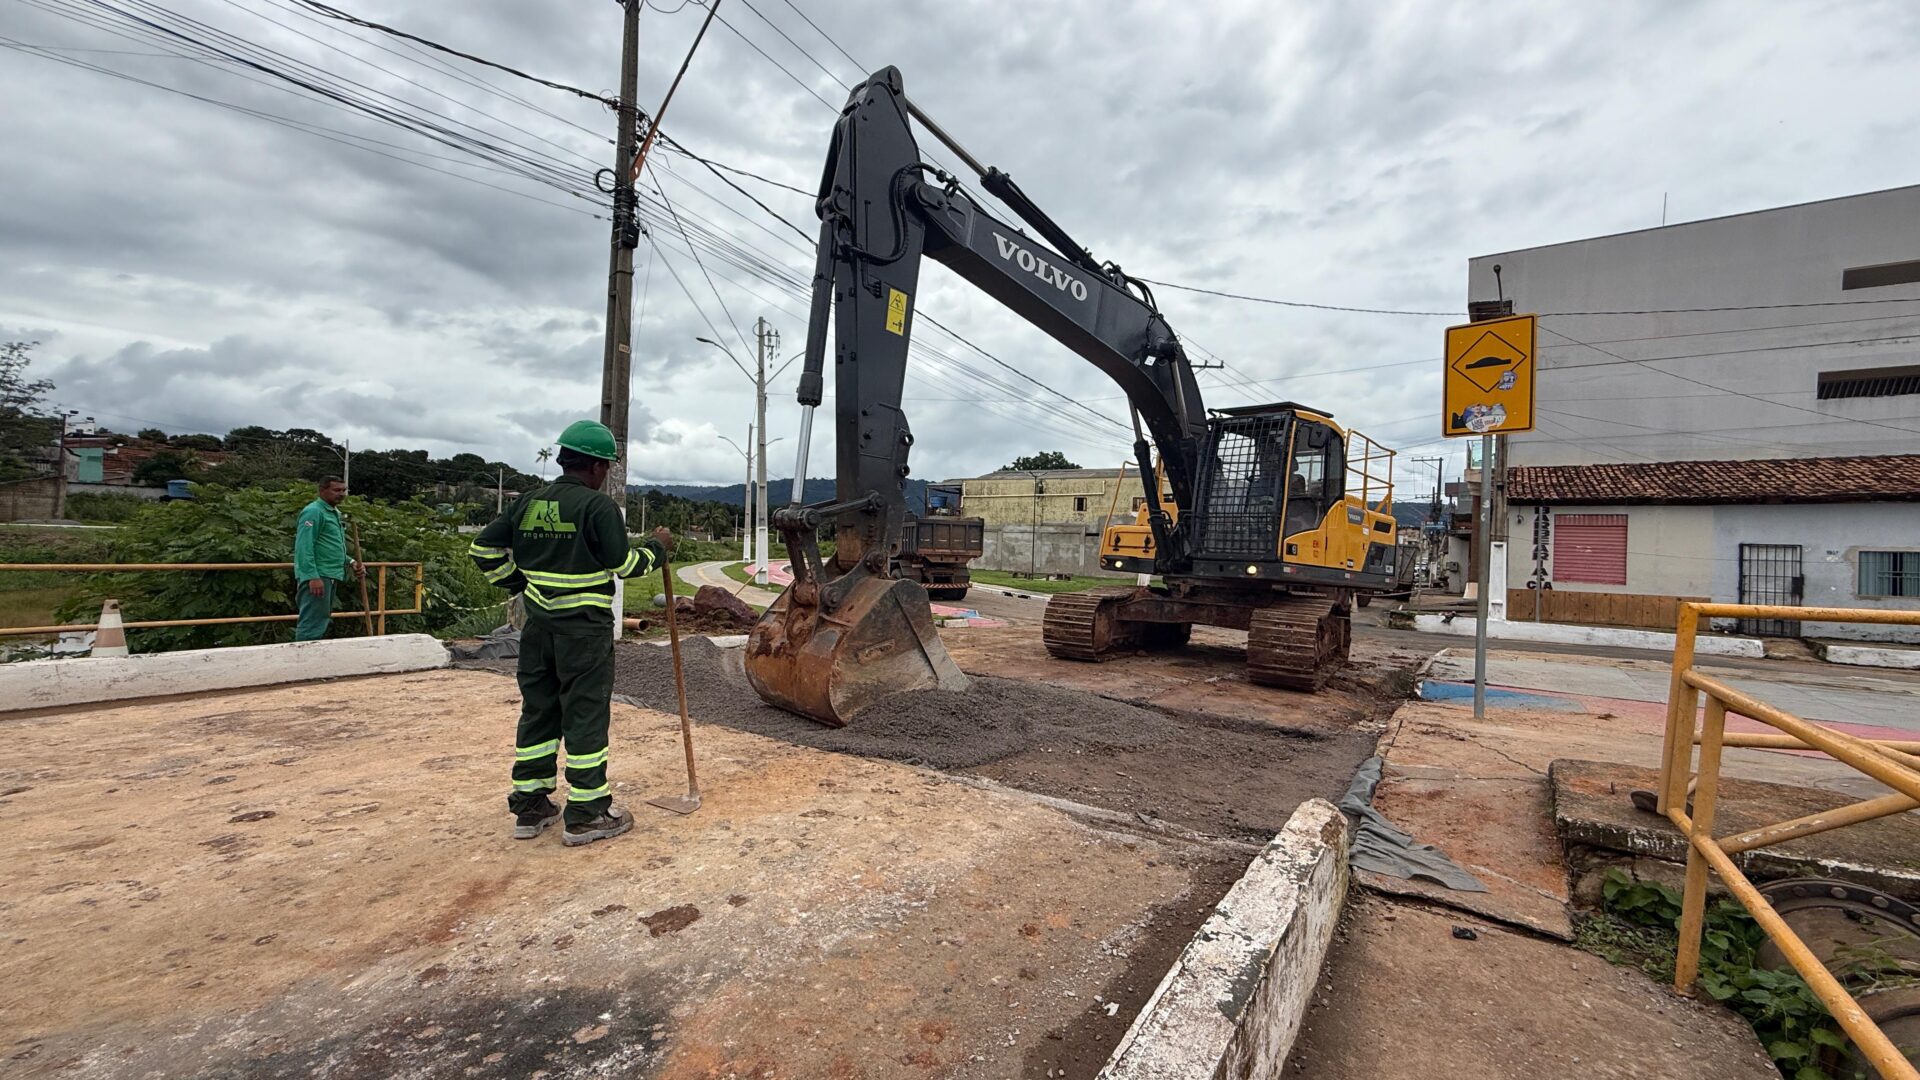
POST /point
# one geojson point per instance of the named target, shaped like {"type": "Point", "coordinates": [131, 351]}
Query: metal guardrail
{"type": "Point", "coordinates": [379, 613]}
{"type": "Point", "coordinates": [1891, 762]}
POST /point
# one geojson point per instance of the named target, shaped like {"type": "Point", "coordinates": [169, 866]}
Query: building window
{"type": "Point", "coordinates": [1590, 548]}
{"type": "Point", "coordinates": [1870, 382]}
{"type": "Point", "coordinates": [1881, 276]}
{"type": "Point", "coordinates": [1079, 504]}
{"type": "Point", "coordinates": [1889, 573]}
{"type": "Point", "coordinates": [1139, 503]}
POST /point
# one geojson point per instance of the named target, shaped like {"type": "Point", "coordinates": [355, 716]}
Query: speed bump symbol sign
{"type": "Point", "coordinates": [1489, 376]}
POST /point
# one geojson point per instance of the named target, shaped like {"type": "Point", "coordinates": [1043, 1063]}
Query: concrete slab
{"type": "Point", "coordinates": [1233, 1003]}
{"type": "Point", "coordinates": [1907, 659]}
{"type": "Point", "coordinates": [1402, 998]}
{"type": "Point", "coordinates": [40, 684]}
{"type": "Point", "coordinates": [1591, 810]}
{"type": "Point", "coordinates": [1608, 636]}
{"type": "Point", "coordinates": [318, 880]}
{"type": "Point", "coordinates": [1882, 705]}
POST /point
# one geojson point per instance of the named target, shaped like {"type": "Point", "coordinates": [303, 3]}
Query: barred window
{"type": "Point", "coordinates": [1889, 573]}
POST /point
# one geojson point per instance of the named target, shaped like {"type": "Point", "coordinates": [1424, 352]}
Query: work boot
{"type": "Point", "coordinates": [531, 822]}
{"type": "Point", "coordinates": [611, 823]}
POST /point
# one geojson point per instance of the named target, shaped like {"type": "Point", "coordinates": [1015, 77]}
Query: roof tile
{"type": "Point", "coordinates": [1893, 478]}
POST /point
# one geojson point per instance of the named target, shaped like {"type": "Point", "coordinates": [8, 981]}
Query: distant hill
{"type": "Point", "coordinates": [818, 489]}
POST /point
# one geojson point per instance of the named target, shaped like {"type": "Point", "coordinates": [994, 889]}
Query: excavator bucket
{"type": "Point", "coordinates": [877, 640]}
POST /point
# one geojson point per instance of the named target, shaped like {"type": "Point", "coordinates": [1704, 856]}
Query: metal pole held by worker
{"type": "Point", "coordinates": [688, 803]}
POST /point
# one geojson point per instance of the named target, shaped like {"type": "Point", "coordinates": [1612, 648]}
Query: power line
{"type": "Point", "coordinates": [816, 29]}
{"type": "Point", "coordinates": [336, 13]}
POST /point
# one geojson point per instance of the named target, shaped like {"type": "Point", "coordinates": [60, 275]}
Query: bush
{"type": "Point", "coordinates": [25, 545]}
{"type": "Point", "coordinates": [257, 526]}
{"type": "Point", "coordinates": [103, 508]}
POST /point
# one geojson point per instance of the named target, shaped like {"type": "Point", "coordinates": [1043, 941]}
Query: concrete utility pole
{"type": "Point", "coordinates": [766, 339]}
{"type": "Point", "coordinates": [500, 493]}
{"type": "Point", "coordinates": [616, 365]}
{"type": "Point", "coordinates": [346, 465]}
{"type": "Point", "coordinates": [748, 551]}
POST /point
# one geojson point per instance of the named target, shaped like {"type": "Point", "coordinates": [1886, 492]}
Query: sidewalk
{"type": "Point", "coordinates": [712, 573]}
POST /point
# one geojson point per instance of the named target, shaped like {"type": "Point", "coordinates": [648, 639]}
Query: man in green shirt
{"type": "Point", "coordinates": [561, 547]}
{"type": "Point", "coordinates": [320, 560]}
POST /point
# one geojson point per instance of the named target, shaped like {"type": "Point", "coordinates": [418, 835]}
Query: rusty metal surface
{"type": "Point", "coordinates": [877, 640]}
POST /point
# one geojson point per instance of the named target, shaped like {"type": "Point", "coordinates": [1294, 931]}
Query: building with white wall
{"type": "Point", "coordinates": [1727, 409]}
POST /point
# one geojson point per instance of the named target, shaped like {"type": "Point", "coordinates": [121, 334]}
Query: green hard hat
{"type": "Point", "coordinates": [590, 437]}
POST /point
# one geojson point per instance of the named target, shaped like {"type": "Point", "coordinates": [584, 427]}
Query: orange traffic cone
{"type": "Point", "coordinates": [110, 639]}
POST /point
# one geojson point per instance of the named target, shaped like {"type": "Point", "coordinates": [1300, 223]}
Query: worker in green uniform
{"type": "Point", "coordinates": [561, 547]}
{"type": "Point", "coordinates": [320, 560]}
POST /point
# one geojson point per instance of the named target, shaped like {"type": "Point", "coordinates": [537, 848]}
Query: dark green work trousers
{"type": "Point", "coordinates": [566, 689]}
{"type": "Point", "coordinates": [316, 612]}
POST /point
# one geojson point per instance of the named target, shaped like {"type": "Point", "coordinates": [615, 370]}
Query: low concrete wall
{"type": "Point", "coordinates": [1463, 626]}
{"type": "Point", "coordinates": [40, 684]}
{"type": "Point", "coordinates": [30, 500]}
{"type": "Point", "coordinates": [1060, 548]}
{"type": "Point", "coordinates": [1232, 1004]}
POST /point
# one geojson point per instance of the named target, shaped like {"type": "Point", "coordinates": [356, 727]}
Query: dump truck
{"type": "Point", "coordinates": [936, 546]}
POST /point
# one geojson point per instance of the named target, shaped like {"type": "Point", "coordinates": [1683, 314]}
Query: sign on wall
{"type": "Point", "coordinates": [1489, 377]}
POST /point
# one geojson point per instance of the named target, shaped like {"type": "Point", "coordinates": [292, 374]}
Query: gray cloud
{"type": "Point", "coordinates": [199, 268]}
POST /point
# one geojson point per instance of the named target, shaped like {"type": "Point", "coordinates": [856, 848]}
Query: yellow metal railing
{"type": "Point", "coordinates": [1365, 461]}
{"type": "Point", "coordinates": [377, 613]}
{"type": "Point", "coordinates": [1893, 763]}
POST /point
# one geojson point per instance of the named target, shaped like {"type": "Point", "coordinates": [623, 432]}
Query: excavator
{"type": "Point", "coordinates": [1258, 518]}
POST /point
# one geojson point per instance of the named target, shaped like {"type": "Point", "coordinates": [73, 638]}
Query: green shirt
{"type": "Point", "coordinates": [562, 546]}
{"type": "Point", "coordinates": [319, 544]}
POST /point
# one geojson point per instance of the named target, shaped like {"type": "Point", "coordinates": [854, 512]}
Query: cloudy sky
{"type": "Point", "coordinates": [251, 254]}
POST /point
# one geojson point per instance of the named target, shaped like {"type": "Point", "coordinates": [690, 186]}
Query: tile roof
{"type": "Point", "coordinates": [1893, 478]}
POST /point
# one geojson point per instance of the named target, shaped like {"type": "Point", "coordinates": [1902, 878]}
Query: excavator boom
{"type": "Point", "coordinates": [846, 633]}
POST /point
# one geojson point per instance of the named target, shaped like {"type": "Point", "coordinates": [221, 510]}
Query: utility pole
{"type": "Point", "coordinates": [346, 465]}
{"type": "Point", "coordinates": [500, 492]}
{"type": "Point", "coordinates": [748, 551]}
{"type": "Point", "coordinates": [764, 338]}
{"type": "Point", "coordinates": [616, 365]}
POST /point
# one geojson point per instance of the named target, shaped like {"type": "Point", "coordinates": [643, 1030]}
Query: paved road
{"type": "Point", "coordinates": [710, 573]}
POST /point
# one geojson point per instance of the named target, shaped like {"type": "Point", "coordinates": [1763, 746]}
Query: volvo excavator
{"type": "Point", "coordinates": [1259, 517]}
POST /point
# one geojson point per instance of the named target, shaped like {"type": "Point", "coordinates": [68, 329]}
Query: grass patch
{"type": "Point", "coordinates": [1046, 586]}
{"type": "Point", "coordinates": [738, 571]}
{"type": "Point", "coordinates": [32, 606]}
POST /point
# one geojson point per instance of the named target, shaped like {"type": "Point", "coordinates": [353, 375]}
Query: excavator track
{"type": "Point", "coordinates": [1086, 625]}
{"type": "Point", "coordinates": [1298, 643]}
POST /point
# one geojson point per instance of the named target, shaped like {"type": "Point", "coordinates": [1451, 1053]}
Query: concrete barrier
{"type": "Point", "coordinates": [40, 684]}
{"type": "Point", "coordinates": [1232, 1004]}
{"type": "Point", "coordinates": [1566, 634]}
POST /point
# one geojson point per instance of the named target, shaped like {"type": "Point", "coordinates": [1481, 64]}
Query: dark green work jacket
{"type": "Point", "coordinates": [562, 546]}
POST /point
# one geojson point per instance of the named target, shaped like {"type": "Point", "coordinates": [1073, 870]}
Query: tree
{"type": "Point", "coordinates": [545, 454]}
{"type": "Point", "coordinates": [164, 466]}
{"type": "Point", "coordinates": [209, 443]}
{"type": "Point", "coordinates": [1046, 459]}
{"type": "Point", "coordinates": [241, 438]}
{"type": "Point", "coordinates": [261, 465]}
{"type": "Point", "coordinates": [152, 434]}
{"type": "Point", "coordinates": [23, 430]}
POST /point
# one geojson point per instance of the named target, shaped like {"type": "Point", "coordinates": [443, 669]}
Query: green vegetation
{"type": "Point", "coordinates": [1045, 586]}
{"type": "Point", "coordinates": [93, 508]}
{"type": "Point", "coordinates": [23, 430]}
{"type": "Point", "coordinates": [256, 525]}
{"type": "Point", "coordinates": [32, 599]}
{"type": "Point", "coordinates": [1638, 926]}
{"type": "Point", "coordinates": [1046, 459]}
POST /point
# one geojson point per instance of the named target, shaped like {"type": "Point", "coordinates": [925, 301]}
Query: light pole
{"type": "Point", "coordinates": [766, 340]}
{"type": "Point", "coordinates": [1033, 552]}
{"type": "Point", "coordinates": [746, 496]}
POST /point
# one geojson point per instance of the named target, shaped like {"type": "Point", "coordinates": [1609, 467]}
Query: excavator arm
{"type": "Point", "coordinates": [847, 634]}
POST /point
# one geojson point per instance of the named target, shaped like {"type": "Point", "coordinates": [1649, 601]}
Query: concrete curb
{"type": "Point", "coordinates": [1233, 1002]}
{"type": "Point", "coordinates": [1869, 656]}
{"type": "Point", "coordinates": [1567, 634]}
{"type": "Point", "coordinates": [41, 684]}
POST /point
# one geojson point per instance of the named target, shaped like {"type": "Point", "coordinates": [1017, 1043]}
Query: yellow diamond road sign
{"type": "Point", "coordinates": [1489, 377]}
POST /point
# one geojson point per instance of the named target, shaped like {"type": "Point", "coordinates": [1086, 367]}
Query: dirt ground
{"type": "Point", "coordinates": [1402, 998]}
{"type": "Point", "coordinates": [317, 881]}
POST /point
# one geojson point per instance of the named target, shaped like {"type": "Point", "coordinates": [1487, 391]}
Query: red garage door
{"type": "Point", "coordinates": [1590, 548]}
